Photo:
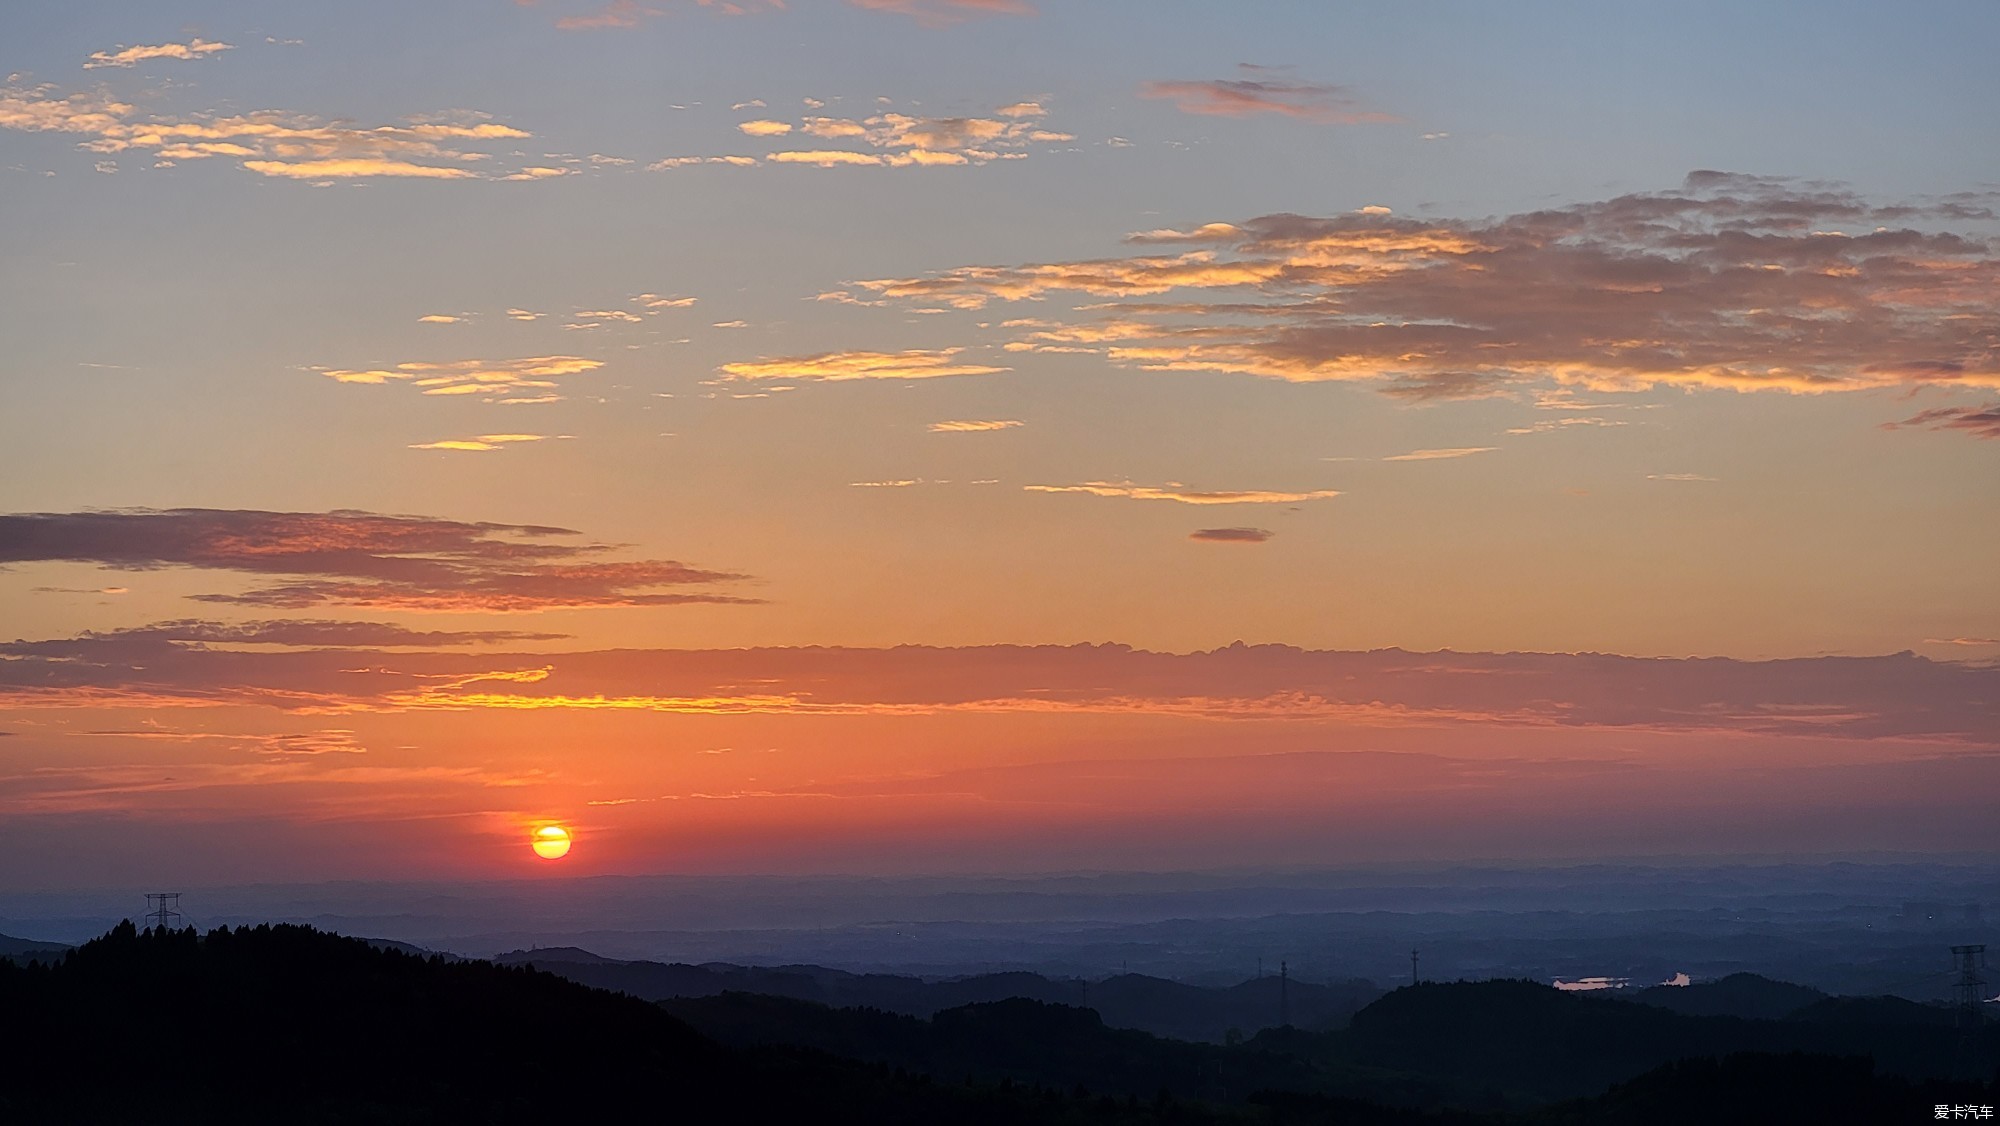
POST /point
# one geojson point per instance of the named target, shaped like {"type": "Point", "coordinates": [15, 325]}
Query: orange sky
{"type": "Point", "coordinates": [849, 436]}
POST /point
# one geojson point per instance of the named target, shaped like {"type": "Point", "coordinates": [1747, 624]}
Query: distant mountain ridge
{"type": "Point", "coordinates": [28, 949]}
{"type": "Point", "coordinates": [1135, 1001]}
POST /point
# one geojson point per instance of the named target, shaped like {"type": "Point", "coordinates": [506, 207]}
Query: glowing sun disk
{"type": "Point", "coordinates": [550, 842]}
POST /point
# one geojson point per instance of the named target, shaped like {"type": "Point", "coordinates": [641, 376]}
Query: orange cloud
{"type": "Point", "coordinates": [280, 144]}
{"type": "Point", "coordinates": [534, 172]}
{"type": "Point", "coordinates": [673, 162]}
{"type": "Point", "coordinates": [833, 129]}
{"type": "Point", "coordinates": [352, 167]}
{"type": "Point", "coordinates": [839, 366]}
{"type": "Point", "coordinates": [824, 158]}
{"type": "Point", "coordinates": [906, 140]}
{"type": "Point", "coordinates": [973, 425]}
{"type": "Point", "coordinates": [196, 48]}
{"type": "Point", "coordinates": [480, 444]}
{"type": "Point", "coordinates": [1435, 455]}
{"type": "Point", "coordinates": [1731, 282]}
{"type": "Point", "coordinates": [1183, 495]}
{"type": "Point", "coordinates": [501, 379]}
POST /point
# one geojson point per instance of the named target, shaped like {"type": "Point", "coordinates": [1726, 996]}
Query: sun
{"type": "Point", "coordinates": [551, 842]}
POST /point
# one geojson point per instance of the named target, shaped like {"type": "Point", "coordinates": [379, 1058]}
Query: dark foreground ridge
{"type": "Point", "coordinates": [289, 1024]}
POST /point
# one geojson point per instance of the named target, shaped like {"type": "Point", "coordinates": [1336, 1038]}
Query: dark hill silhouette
{"type": "Point", "coordinates": [1535, 1043]}
{"type": "Point", "coordinates": [1149, 1004]}
{"type": "Point", "coordinates": [1187, 1012]}
{"type": "Point", "coordinates": [1755, 1089]}
{"type": "Point", "coordinates": [1018, 1040]}
{"type": "Point", "coordinates": [1879, 1011]}
{"type": "Point", "coordinates": [1738, 995]}
{"type": "Point", "coordinates": [288, 1024]}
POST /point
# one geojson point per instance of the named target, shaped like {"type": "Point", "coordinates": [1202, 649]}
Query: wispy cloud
{"type": "Point", "coordinates": [291, 633]}
{"type": "Point", "coordinates": [1436, 455]}
{"type": "Point", "coordinates": [538, 172]}
{"type": "Point", "coordinates": [196, 48]}
{"type": "Point", "coordinates": [972, 425]}
{"type": "Point", "coordinates": [839, 366]}
{"type": "Point", "coordinates": [499, 380]}
{"type": "Point", "coordinates": [617, 13]}
{"type": "Point", "coordinates": [1678, 477]}
{"type": "Point", "coordinates": [943, 13]}
{"type": "Point", "coordinates": [345, 168]}
{"type": "Point", "coordinates": [674, 162]}
{"type": "Point", "coordinates": [1183, 494]}
{"type": "Point", "coordinates": [824, 158]}
{"type": "Point", "coordinates": [896, 140]}
{"type": "Point", "coordinates": [481, 444]}
{"type": "Point", "coordinates": [1980, 422]}
{"type": "Point", "coordinates": [1575, 421]}
{"type": "Point", "coordinates": [363, 559]}
{"type": "Point", "coordinates": [627, 14]}
{"type": "Point", "coordinates": [322, 742]}
{"type": "Point", "coordinates": [1318, 102]}
{"type": "Point", "coordinates": [1231, 535]}
{"type": "Point", "coordinates": [268, 142]}
{"type": "Point", "coordinates": [1737, 282]}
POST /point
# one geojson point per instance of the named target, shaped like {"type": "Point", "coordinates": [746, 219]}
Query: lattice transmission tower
{"type": "Point", "coordinates": [1970, 989]}
{"type": "Point", "coordinates": [163, 908]}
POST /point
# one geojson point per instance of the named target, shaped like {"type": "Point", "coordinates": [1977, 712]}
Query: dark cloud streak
{"type": "Point", "coordinates": [290, 633]}
{"type": "Point", "coordinates": [1731, 281]}
{"type": "Point", "coordinates": [353, 558]}
{"type": "Point", "coordinates": [1980, 422]}
{"type": "Point", "coordinates": [1896, 696]}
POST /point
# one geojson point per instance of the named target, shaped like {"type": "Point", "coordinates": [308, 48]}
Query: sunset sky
{"type": "Point", "coordinates": [992, 435]}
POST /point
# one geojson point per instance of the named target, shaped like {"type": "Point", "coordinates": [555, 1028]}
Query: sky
{"type": "Point", "coordinates": [992, 435]}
